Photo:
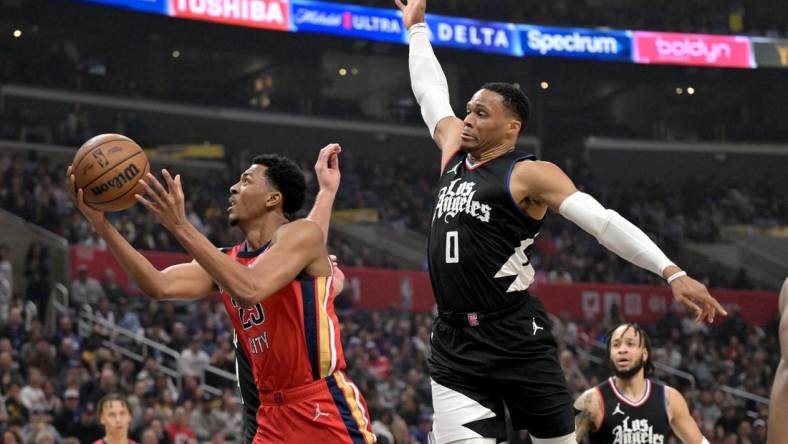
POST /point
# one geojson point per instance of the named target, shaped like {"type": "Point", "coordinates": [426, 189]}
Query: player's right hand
{"type": "Point", "coordinates": [93, 215]}
{"type": "Point", "coordinates": [413, 12]}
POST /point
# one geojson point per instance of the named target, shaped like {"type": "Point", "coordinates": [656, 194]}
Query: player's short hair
{"type": "Point", "coordinates": [104, 402]}
{"type": "Point", "coordinates": [287, 178]}
{"type": "Point", "coordinates": [645, 342]}
{"type": "Point", "coordinates": [514, 99]}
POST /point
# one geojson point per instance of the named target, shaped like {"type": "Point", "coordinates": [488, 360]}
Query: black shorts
{"type": "Point", "coordinates": [501, 357]}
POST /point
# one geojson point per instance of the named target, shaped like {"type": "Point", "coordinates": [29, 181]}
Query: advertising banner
{"type": "Point", "coordinates": [576, 43]}
{"type": "Point", "coordinates": [692, 49]}
{"type": "Point", "coordinates": [379, 24]}
{"type": "Point", "coordinates": [462, 33]}
{"type": "Point", "coordinates": [374, 288]}
{"type": "Point", "coordinates": [770, 53]}
{"type": "Point", "coordinates": [150, 6]}
{"type": "Point", "coordinates": [263, 14]}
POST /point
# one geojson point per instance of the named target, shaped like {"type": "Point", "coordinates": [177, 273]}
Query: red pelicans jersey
{"type": "Point", "coordinates": [286, 342]}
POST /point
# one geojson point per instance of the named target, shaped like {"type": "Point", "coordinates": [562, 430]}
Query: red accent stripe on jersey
{"type": "Point", "coordinates": [623, 398]}
{"type": "Point", "coordinates": [475, 165]}
{"type": "Point", "coordinates": [602, 419]}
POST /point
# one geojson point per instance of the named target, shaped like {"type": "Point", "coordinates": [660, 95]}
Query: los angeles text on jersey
{"type": "Point", "coordinates": [457, 197]}
{"type": "Point", "coordinates": [637, 431]}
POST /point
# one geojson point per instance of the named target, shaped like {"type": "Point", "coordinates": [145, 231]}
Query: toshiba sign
{"type": "Point", "coordinates": [692, 49]}
{"type": "Point", "coordinates": [265, 14]}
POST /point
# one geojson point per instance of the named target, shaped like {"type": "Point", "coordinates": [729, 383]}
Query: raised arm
{"type": "Point", "coordinates": [681, 420]}
{"type": "Point", "coordinates": [589, 413]}
{"type": "Point", "coordinates": [296, 247]}
{"type": "Point", "coordinates": [429, 82]}
{"type": "Point", "coordinates": [182, 281]}
{"type": "Point", "coordinates": [328, 176]}
{"type": "Point", "coordinates": [541, 185]}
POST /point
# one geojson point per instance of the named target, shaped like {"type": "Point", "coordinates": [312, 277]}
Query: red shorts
{"type": "Point", "coordinates": [330, 410]}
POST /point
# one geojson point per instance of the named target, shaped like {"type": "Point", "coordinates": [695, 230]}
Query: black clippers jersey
{"type": "Point", "coordinates": [625, 422]}
{"type": "Point", "coordinates": [480, 240]}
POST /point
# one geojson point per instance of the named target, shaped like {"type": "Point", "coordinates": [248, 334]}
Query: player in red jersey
{"type": "Point", "coordinates": [278, 289]}
{"type": "Point", "coordinates": [114, 414]}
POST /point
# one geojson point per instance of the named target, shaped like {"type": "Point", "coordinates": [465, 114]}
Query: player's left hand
{"type": "Point", "coordinates": [327, 168]}
{"type": "Point", "coordinates": [338, 276]}
{"type": "Point", "coordinates": [696, 298]}
{"type": "Point", "coordinates": [166, 204]}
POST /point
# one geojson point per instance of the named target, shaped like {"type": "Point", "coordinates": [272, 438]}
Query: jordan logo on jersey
{"type": "Point", "coordinates": [318, 413]}
{"type": "Point", "coordinates": [617, 410]}
{"type": "Point", "coordinates": [457, 197]}
{"type": "Point", "coordinates": [636, 431]}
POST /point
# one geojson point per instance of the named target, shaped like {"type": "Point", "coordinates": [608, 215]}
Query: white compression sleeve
{"type": "Point", "coordinates": [427, 78]}
{"type": "Point", "coordinates": [614, 232]}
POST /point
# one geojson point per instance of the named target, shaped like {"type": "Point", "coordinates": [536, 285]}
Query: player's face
{"type": "Point", "coordinates": [627, 351]}
{"type": "Point", "coordinates": [487, 122]}
{"type": "Point", "coordinates": [115, 418]}
{"type": "Point", "coordinates": [249, 196]}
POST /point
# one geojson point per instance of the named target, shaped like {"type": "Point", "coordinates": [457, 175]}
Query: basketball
{"type": "Point", "coordinates": [108, 168]}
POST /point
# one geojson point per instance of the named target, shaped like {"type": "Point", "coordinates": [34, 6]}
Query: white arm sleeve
{"type": "Point", "coordinates": [427, 78]}
{"type": "Point", "coordinates": [614, 232]}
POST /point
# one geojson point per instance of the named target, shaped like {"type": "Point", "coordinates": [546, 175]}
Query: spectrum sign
{"type": "Point", "coordinates": [693, 49]}
{"type": "Point", "coordinates": [576, 43]}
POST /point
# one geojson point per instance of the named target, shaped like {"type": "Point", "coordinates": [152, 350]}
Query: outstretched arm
{"type": "Point", "coordinates": [429, 82]}
{"type": "Point", "coordinates": [328, 176]}
{"type": "Point", "coordinates": [681, 420]}
{"type": "Point", "coordinates": [295, 247]}
{"type": "Point", "coordinates": [590, 414]}
{"type": "Point", "coordinates": [181, 281]}
{"type": "Point", "coordinates": [778, 403]}
{"type": "Point", "coordinates": [543, 184]}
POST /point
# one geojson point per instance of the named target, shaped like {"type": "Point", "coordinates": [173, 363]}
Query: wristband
{"type": "Point", "coordinates": [675, 276]}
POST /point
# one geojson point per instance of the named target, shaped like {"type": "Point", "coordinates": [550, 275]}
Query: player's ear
{"type": "Point", "coordinates": [515, 125]}
{"type": "Point", "coordinates": [274, 198]}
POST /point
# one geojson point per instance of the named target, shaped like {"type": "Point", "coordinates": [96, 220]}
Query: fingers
{"type": "Point", "coordinates": [150, 191]}
{"type": "Point", "coordinates": [178, 187]}
{"type": "Point", "coordinates": [400, 5]}
{"type": "Point", "coordinates": [174, 185]}
{"type": "Point", "coordinates": [145, 202]}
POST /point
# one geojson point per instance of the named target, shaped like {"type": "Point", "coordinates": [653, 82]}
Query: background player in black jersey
{"type": "Point", "coordinates": [491, 343]}
{"type": "Point", "coordinates": [778, 403]}
{"type": "Point", "coordinates": [630, 407]}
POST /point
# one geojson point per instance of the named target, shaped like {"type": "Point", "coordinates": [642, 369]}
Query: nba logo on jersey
{"type": "Point", "coordinates": [473, 319]}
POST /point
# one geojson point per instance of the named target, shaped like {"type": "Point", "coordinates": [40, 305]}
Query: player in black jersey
{"type": "Point", "coordinates": [629, 407]}
{"type": "Point", "coordinates": [778, 403]}
{"type": "Point", "coordinates": [491, 344]}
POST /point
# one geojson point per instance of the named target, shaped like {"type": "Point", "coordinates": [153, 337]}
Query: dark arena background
{"type": "Point", "coordinates": [673, 113]}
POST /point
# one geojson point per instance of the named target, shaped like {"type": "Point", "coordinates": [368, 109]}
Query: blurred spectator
{"type": "Point", "coordinates": [6, 282]}
{"type": "Point", "coordinates": [194, 360]}
{"type": "Point", "coordinates": [85, 289]}
{"type": "Point", "coordinates": [178, 429]}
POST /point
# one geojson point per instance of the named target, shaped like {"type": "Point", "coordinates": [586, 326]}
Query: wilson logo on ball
{"type": "Point", "coordinates": [118, 181]}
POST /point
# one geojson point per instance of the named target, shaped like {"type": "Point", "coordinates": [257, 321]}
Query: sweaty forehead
{"type": "Point", "coordinates": [486, 98]}
{"type": "Point", "coordinates": [625, 332]}
{"type": "Point", "coordinates": [255, 170]}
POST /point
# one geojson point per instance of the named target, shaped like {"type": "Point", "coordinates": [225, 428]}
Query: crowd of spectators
{"type": "Point", "coordinates": [671, 214]}
{"type": "Point", "coordinates": [50, 382]}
